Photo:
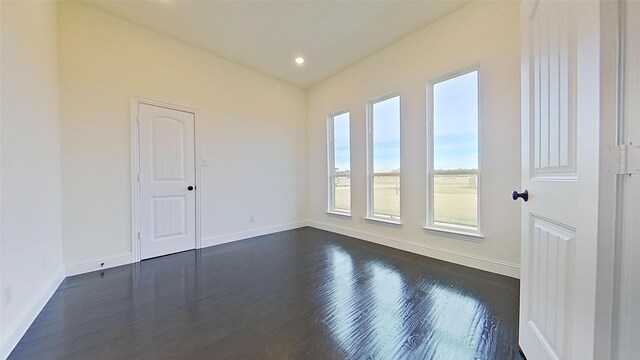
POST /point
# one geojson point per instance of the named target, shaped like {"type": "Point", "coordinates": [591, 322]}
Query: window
{"type": "Point", "coordinates": [454, 160]}
{"type": "Point", "coordinates": [339, 163]}
{"type": "Point", "coordinates": [384, 159]}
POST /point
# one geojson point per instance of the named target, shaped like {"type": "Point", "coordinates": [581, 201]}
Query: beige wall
{"type": "Point", "coordinates": [252, 132]}
{"type": "Point", "coordinates": [31, 246]}
{"type": "Point", "coordinates": [484, 33]}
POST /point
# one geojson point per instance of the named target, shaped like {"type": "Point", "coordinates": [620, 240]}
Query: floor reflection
{"type": "Point", "coordinates": [339, 318]}
{"type": "Point", "coordinates": [458, 324]}
{"type": "Point", "coordinates": [388, 310]}
{"type": "Point", "coordinates": [372, 309]}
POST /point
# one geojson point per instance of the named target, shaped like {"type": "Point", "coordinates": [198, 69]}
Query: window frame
{"type": "Point", "coordinates": [443, 229]}
{"type": "Point", "coordinates": [370, 215]}
{"type": "Point", "coordinates": [331, 168]}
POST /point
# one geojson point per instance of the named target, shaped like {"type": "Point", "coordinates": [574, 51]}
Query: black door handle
{"type": "Point", "coordinates": [524, 195]}
{"type": "Point", "coordinates": [190, 188]}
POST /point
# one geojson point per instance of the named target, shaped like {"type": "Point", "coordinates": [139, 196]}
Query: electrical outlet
{"type": "Point", "coordinates": [252, 218]}
{"type": "Point", "coordinates": [361, 220]}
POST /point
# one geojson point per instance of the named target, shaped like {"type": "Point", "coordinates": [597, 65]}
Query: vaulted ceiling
{"type": "Point", "coordinates": [267, 35]}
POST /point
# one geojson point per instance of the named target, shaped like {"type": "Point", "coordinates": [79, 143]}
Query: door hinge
{"type": "Point", "coordinates": [622, 159]}
{"type": "Point", "coordinates": [138, 120]}
{"type": "Point", "coordinates": [138, 235]}
{"type": "Point", "coordinates": [138, 177]}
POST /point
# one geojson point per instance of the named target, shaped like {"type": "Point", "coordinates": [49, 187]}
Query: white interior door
{"type": "Point", "coordinates": [167, 180]}
{"type": "Point", "coordinates": [560, 159]}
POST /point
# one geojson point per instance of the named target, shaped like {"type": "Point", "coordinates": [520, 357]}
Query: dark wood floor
{"type": "Point", "coordinates": [300, 294]}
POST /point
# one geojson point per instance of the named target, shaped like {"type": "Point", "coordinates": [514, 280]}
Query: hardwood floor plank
{"type": "Point", "coordinates": [299, 294]}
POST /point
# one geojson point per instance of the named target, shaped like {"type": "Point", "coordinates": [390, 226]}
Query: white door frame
{"type": "Point", "coordinates": [135, 171]}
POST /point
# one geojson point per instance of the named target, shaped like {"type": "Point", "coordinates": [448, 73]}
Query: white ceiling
{"type": "Point", "coordinates": [267, 35]}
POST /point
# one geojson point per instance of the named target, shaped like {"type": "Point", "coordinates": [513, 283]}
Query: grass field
{"type": "Point", "coordinates": [343, 193]}
{"type": "Point", "coordinates": [386, 196]}
{"type": "Point", "coordinates": [454, 198]}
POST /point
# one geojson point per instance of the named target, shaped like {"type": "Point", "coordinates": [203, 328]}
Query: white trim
{"type": "Point", "coordinates": [429, 154]}
{"type": "Point", "coordinates": [2, 287]}
{"type": "Point", "coordinates": [338, 213]}
{"type": "Point", "coordinates": [619, 337]}
{"type": "Point", "coordinates": [135, 188]}
{"type": "Point", "coordinates": [85, 266]}
{"type": "Point", "coordinates": [135, 171]}
{"type": "Point", "coordinates": [370, 215]}
{"type": "Point", "coordinates": [198, 183]}
{"type": "Point", "coordinates": [246, 234]}
{"type": "Point", "coordinates": [477, 262]}
{"type": "Point", "coordinates": [23, 321]}
{"type": "Point", "coordinates": [383, 220]}
{"type": "Point", "coordinates": [454, 234]}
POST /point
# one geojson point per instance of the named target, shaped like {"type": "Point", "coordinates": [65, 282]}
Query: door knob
{"type": "Point", "coordinates": [190, 188]}
{"type": "Point", "coordinates": [524, 195]}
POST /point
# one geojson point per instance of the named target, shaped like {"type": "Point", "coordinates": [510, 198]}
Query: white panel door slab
{"type": "Point", "coordinates": [167, 180]}
{"type": "Point", "coordinates": [560, 159]}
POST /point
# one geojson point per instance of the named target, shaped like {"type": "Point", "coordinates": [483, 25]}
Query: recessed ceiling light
{"type": "Point", "coordinates": [299, 60]}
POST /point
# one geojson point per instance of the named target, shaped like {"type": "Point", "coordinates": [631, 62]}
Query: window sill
{"type": "Point", "coordinates": [384, 221]}
{"type": "Point", "coordinates": [337, 213]}
{"type": "Point", "coordinates": [456, 234]}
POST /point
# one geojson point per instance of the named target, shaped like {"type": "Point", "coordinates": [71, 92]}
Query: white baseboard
{"type": "Point", "coordinates": [86, 266]}
{"type": "Point", "coordinates": [241, 235]}
{"type": "Point", "coordinates": [478, 262]}
{"type": "Point", "coordinates": [21, 324]}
